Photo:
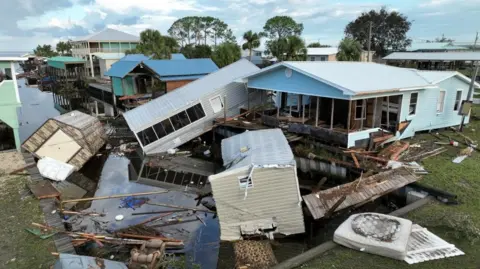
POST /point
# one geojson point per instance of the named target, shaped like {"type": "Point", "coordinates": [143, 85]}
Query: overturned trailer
{"type": "Point", "coordinates": [71, 138]}
{"type": "Point", "coordinates": [188, 112]}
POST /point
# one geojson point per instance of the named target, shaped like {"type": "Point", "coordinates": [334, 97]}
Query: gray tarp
{"type": "Point", "coordinates": [69, 261]}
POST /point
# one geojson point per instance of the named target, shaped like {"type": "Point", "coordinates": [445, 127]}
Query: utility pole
{"type": "Point", "coordinates": [472, 82]}
{"type": "Point", "coordinates": [369, 41]}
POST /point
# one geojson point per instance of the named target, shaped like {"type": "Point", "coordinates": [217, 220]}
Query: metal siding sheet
{"type": "Point", "coordinates": [129, 87]}
{"type": "Point", "coordinates": [432, 56]}
{"type": "Point", "coordinates": [117, 86]}
{"type": "Point", "coordinates": [163, 106]}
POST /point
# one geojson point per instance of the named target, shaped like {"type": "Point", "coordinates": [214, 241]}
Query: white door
{"type": "Point", "coordinates": [60, 147]}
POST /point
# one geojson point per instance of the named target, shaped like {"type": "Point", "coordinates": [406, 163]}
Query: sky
{"type": "Point", "coordinates": [26, 23]}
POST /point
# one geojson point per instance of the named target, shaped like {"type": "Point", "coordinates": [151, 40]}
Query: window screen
{"type": "Point", "coordinates": [160, 130]}
{"type": "Point", "coordinates": [440, 101]}
{"type": "Point", "coordinates": [413, 104]}
{"type": "Point", "coordinates": [147, 136]}
{"type": "Point", "coordinates": [196, 112]}
{"type": "Point", "coordinates": [179, 120]}
{"type": "Point", "coordinates": [217, 104]}
{"type": "Point", "coordinates": [358, 110]}
{"type": "Point", "coordinates": [245, 181]}
{"type": "Point", "coordinates": [458, 101]}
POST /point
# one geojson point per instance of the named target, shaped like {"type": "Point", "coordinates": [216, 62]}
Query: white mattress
{"type": "Point", "coordinates": [375, 233]}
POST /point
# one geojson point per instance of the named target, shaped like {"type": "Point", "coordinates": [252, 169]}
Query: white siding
{"type": "Point", "coordinates": [275, 193]}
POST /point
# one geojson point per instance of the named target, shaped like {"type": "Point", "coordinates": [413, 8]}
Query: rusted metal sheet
{"type": "Point", "coordinates": [369, 188]}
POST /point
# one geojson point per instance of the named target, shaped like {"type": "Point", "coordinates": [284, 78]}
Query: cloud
{"type": "Point", "coordinates": [164, 6]}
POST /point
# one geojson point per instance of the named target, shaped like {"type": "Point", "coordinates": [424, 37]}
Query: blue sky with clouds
{"type": "Point", "coordinates": [26, 23]}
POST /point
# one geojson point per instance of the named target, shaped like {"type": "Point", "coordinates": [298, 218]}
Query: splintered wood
{"type": "Point", "coordinates": [357, 192]}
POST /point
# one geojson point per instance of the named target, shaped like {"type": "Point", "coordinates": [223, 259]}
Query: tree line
{"type": "Point", "coordinates": [209, 37]}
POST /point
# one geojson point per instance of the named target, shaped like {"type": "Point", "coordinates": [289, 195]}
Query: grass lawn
{"type": "Point", "coordinates": [457, 224]}
{"type": "Point", "coordinates": [18, 248]}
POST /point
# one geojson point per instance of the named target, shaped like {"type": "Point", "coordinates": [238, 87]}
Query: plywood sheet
{"type": "Point", "coordinates": [60, 147]}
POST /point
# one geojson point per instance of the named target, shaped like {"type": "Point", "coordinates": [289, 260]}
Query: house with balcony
{"type": "Point", "coordinates": [351, 104]}
{"type": "Point", "coordinates": [9, 102]}
{"type": "Point", "coordinates": [101, 49]}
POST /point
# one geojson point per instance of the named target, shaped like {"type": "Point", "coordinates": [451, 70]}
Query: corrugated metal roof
{"type": "Point", "coordinates": [66, 59]}
{"type": "Point", "coordinates": [135, 57]}
{"type": "Point", "coordinates": [182, 67]}
{"type": "Point", "coordinates": [434, 46]}
{"type": "Point", "coordinates": [109, 56]}
{"type": "Point", "coordinates": [175, 78]}
{"type": "Point", "coordinates": [121, 68]}
{"type": "Point", "coordinates": [109, 34]}
{"type": "Point", "coordinates": [162, 106]}
{"type": "Point", "coordinates": [322, 51]}
{"type": "Point", "coordinates": [356, 77]}
{"type": "Point", "coordinates": [77, 119]}
{"type": "Point", "coordinates": [178, 56]}
{"type": "Point", "coordinates": [261, 147]}
{"type": "Point", "coordinates": [435, 77]}
{"type": "Point", "coordinates": [435, 56]}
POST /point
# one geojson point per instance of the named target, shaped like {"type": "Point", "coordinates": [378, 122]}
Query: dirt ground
{"type": "Point", "coordinates": [18, 248]}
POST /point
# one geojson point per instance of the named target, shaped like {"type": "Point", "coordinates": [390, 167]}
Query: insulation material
{"type": "Point", "coordinates": [54, 170]}
{"type": "Point", "coordinates": [375, 233]}
{"type": "Point", "coordinates": [425, 246]}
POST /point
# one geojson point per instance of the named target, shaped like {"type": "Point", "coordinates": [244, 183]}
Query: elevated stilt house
{"type": "Point", "coordinates": [189, 111]}
{"type": "Point", "coordinates": [353, 103]}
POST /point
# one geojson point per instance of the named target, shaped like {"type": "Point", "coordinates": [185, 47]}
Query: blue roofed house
{"type": "Point", "coordinates": [350, 103]}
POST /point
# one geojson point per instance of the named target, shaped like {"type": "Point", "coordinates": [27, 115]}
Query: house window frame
{"type": "Point", "coordinates": [221, 102]}
{"type": "Point", "coordinates": [246, 185]}
{"type": "Point", "coordinates": [458, 102]}
{"type": "Point", "coordinates": [438, 101]}
{"type": "Point", "coordinates": [312, 58]}
{"type": "Point", "coordinates": [364, 109]}
{"type": "Point", "coordinates": [410, 104]}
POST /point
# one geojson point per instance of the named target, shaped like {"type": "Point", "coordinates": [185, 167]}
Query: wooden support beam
{"type": "Point", "coordinates": [316, 112]}
{"type": "Point", "coordinates": [331, 114]}
{"type": "Point", "coordinates": [374, 112]}
{"type": "Point", "coordinates": [355, 160]}
{"type": "Point", "coordinates": [388, 112]}
{"type": "Point", "coordinates": [349, 115]}
{"type": "Point", "coordinates": [303, 107]}
{"type": "Point", "coordinates": [364, 104]}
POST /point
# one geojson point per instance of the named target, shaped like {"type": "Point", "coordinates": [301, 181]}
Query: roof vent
{"type": "Point", "coordinates": [288, 72]}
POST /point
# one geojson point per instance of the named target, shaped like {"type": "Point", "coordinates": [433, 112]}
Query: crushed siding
{"type": "Point", "coordinates": [274, 194]}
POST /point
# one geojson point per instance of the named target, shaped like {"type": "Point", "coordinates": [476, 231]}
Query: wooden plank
{"type": "Point", "coordinates": [355, 160]}
{"type": "Point", "coordinates": [43, 190]}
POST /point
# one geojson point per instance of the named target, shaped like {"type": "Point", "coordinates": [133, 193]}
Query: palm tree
{"type": "Point", "coordinates": [252, 41]}
{"type": "Point", "coordinates": [295, 48]}
{"type": "Point", "coordinates": [349, 50]}
{"type": "Point", "coordinates": [152, 43]}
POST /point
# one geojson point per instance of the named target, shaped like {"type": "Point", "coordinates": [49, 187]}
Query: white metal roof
{"type": "Point", "coordinates": [77, 119]}
{"type": "Point", "coordinates": [261, 147]}
{"type": "Point", "coordinates": [435, 56]}
{"type": "Point", "coordinates": [163, 106]}
{"type": "Point", "coordinates": [13, 59]}
{"type": "Point", "coordinates": [357, 77]}
{"type": "Point", "coordinates": [322, 51]}
{"type": "Point", "coordinates": [109, 56]}
{"type": "Point", "coordinates": [109, 34]}
{"type": "Point", "coordinates": [435, 77]}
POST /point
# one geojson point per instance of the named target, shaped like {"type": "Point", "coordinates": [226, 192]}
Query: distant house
{"type": "Point", "coordinates": [330, 54]}
{"type": "Point", "coordinates": [348, 103]}
{"type": "Point", "coordinates": [258, 192]}
{"type": "Point", "coordinates": [435, 47]}
{"type": "Point", "coordinates": [71, 138]}
{"type": "Point", "coordinates": [452, 60]}
{"type": "Point", "coordinates": [256, 58]}
{"type": "Point", "coordinates": [9, 102]}
{"type": "Point", "coordinates": [178, 116]}
{"type": "Point", "coordinates": [100, 49]}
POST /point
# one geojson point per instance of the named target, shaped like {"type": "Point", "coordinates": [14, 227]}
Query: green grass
{"type": "Point", "coordinates": [18, 248]}
{"type": "Point", "coordinates": [457, 224]}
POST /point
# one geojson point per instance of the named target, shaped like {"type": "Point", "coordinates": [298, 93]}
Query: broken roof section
{"type": "Point", "coordinates": [259, 148]}
{"type": "Point", "coordinates": [370, 188]}
{"type": "Point", "coordinates": [71, 138]}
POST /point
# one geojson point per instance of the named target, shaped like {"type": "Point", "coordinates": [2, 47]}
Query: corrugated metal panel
{"type": "Point", "coordinates": [164, 106]}
{"type": "Point", "coordinates": [109, 34]}
{"type": "Point", "coordinates": [425, 246]}
{"type": "Point", "coordinates": [174, 78]}
{"type": "Point", "coordinates": [183, 67]}
{"type": "Point", "coordinates": [264, 200]}
{"type": "Point", "coordinates": [178, 56]}
{"type": "Point", "coordinates": [262, 147]}
{"type": "Point", "coordinates": [434, 56]}
{"type": "Point", "coordinates": [121, 68]}
{"type": "Point", "coordinates": [77, 119]}
{"type": "Point", "coordinates": [307, 165]}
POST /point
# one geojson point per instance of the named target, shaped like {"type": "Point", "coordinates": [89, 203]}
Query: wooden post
{"type": "Point", "coordinates": [374, 112]}
{"type": "Point", "coordinates": [279, 104]}
{"type": "Point", "coordinates": [225, 109]}
{"type": "Point", "coordinates": [261, 102]}
{"type": "Point", "coordinates": [331, 114]}
{"type": "Point", "coordinates": [364, 104]}
{"type": "Point", "coordinates": [316, 112]}
{"type": "Point", "coordinates": [303, 109]}
{"type": "Point", "coordinates": [349, 115]}
{"type": "Point", "coordinates": [388, 112]}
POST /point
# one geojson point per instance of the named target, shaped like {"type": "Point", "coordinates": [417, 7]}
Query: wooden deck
{"type": "Point", "coordinates": [355, 193]}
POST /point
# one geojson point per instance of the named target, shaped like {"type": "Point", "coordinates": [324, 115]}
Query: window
{"type": "Point", "coordinates": [258, 53]}
{"type": "Point", "coordinates": [195, 112]}
{"type": "Point", "coordinates": [180, 120]}
{"type": "Point", "coordinates": [245, 182]}
{"type": "Point", "coordinates": [163, 128]}
{"type": "Point", "coordinates": [217, 104]}
{"type": "Point", "coordinates": [440, 101]}
{"type": "Point", "coordinates": [312, 58]}
{"type": "Point", "coordinates": [413, 103]}
{"type": "Point", "coordinates": [359, 106]}
{"type": "Point", "coordinates": [147, 136]}
{"type": "Point", "coordinates": [458, 101]}
{"type": "Point", "coordinates": [323, 58]}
